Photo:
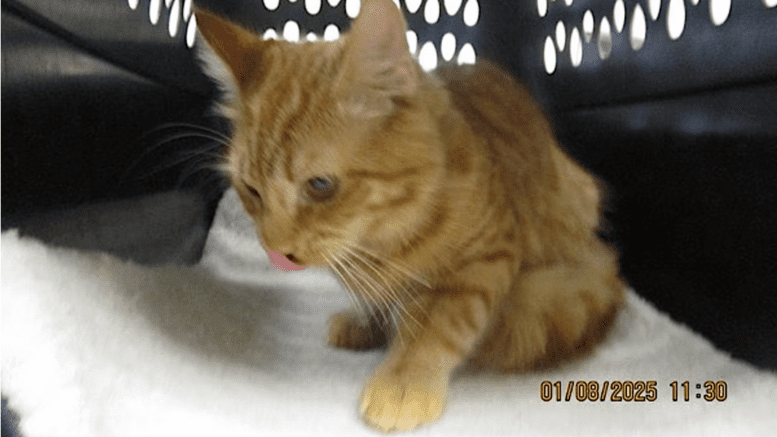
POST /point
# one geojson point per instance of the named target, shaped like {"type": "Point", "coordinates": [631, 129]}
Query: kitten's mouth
{"type": "Point", "coordinates": [283, 263]}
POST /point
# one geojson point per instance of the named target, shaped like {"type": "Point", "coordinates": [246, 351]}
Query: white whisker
{"type": "Point", "coordinates": [409, 290]}
{"type": "Point", "coordinates": [387, 287]}
{"type": "Point", "coordinates": [397, 328]}
{"type": "Point", "coordinates": [191, 127]}
{"type": "Point", "coordinates": [362, 278]}
{"type": "Point", "coordinates": [395, 265]}
{"type": "Point", "coordinates": [355, 299]}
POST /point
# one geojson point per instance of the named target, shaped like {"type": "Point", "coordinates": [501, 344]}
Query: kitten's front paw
{"type": "Point", "coordinates": [348, 331]}
{"type": "Point", "coordinates": [396, 402]}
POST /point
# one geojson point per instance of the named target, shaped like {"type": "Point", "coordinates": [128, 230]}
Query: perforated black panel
{"type": "Point", "coordinates": [740, 51]}
{"type": "Point", "coordinates": [430, 20]}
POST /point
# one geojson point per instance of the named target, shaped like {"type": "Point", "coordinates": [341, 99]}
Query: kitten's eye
{"type": "Point", "coordinates": [253, 191]}
{"type": "Point", "coordinates": [320, 188]}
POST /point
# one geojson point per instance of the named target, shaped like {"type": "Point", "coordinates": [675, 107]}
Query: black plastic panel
{"type": "Point", "coordinates": [111, 31]}
{"type": "Point", "coordinates": [743, 50]}
{"type": "Point", "coordinates": [75, 125]}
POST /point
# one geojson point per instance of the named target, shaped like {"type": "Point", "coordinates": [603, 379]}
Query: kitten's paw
{"type": "Point", "coordinates": [348, 331]}
{"type": "Point", "coordinates": [392, 402]}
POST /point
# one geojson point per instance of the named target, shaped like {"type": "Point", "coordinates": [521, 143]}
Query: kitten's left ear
{"type": "Point", "coordinates": [379, 64]}
{"type": "Point", "coordinates": [239, 49]}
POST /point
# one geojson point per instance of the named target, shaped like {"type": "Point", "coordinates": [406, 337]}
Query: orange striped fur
{"type": "Point", "coordinates": [462, 231]}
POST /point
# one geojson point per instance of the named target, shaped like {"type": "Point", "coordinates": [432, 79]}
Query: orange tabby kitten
{"type": "Point", "coordinates": [442, 201]}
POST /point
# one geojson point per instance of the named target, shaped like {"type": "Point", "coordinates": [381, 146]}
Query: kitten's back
{"type": "Point", "coordinates": [557, 203]}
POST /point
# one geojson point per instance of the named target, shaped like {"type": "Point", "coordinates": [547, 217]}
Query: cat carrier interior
{"type": "Point", "coordinates": [110, 141]}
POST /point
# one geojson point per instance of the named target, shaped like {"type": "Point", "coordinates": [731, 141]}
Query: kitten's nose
{"type": "Point", "coordinates": [288, 262]}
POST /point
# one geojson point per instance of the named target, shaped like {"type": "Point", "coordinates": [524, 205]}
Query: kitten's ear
{"type": "Point", "coordinates": [379, 61]}
{"type": "Point", "coordinates": [238, 48]}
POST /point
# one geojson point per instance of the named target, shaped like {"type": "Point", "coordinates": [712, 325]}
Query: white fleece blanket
{"type": "Point", "coordinates": [95, 346]}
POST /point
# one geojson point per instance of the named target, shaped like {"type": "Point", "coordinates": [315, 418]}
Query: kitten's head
{"type": "Point", "coordinates": [333, 148]}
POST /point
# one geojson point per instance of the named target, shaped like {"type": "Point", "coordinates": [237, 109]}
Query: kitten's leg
{"type": "Point", "coordinates": [555, 313]}
{"type": "Point", "coordinates": [410, 387]}
{"type": "Point", "coordinates": [355, 331]}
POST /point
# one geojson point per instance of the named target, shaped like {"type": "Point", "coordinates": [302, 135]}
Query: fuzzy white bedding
{"type": "Point", "coordinates": [96, 346]}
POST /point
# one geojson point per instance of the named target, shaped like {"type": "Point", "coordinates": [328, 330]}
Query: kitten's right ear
{"type": "Point", "coordinates": [238, 48]}
{"type": "Point", "coordinates": [379, 66]}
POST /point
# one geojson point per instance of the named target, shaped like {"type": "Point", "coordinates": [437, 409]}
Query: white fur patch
{"type": "Point", "coordinates": [217, 70]}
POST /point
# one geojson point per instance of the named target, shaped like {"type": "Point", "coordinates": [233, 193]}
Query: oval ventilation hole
{"type": "Point", "coordinates": [291, 31]}
{"type": "Point", "coordinates": [769, 3]}
{"type": "Point", "coordinates": [654, 8]}
{"type": "Point", "coordinates": [604, 44]}
{"type": "Point", "coordinates": [588, 25]}
{"type": "Point", "coordinates": [427, 57]}
{"type": "Point", "coordinates": [271, 5]}
{"type": "Point", "coordinates": [331, 32]}
{"type": "Point", "coordinates": [694, 2]}
{"type": "Point", "coordinates": [313, 7]}
{"type": "Point", "coordinates": [619, 15]}
{"type": "Point", "coordinates": [311, 37]}
{"type": "Point", "coordinates": [154, 11]}
{"type": "Point", "coordinates": [568, 2]}
{"type": "Point", "coordinates": [448, 46]}
{"type": "Point", "coordinates": [561, 35]}
{"type": "Point", "coordinates": [412, 5]}
{"type": "Point", "coordinates": [432, 11]}
{"type": "Point", "coordinates": [412, 41]}
{"type": "Point", "coordinates": [637, 28]}
{"type": "Point", "coordinates": [575, 47]}
{"type": "Point", "coordinates": [719, 11]}
{"type": "Point", "coordinates": [549, 56]}
{"type": "Point", "coordinates": [270, 34]}
{"type": "Point", "coordinates": [187, 9]}
{"type": "Point", "coordinates": [191, 32]}
{"type": "Point", "coordinates": [675, 18]}
{"type": "Point", "coordinates": [452, 6]}
{"type": "Point", "coordinates": [175, 18]}
{"type": "Point", "coordinates": [466, 55]}
{"type": "Point", "coordinates": [471, 13]}
{"type": "Point", "coordinates": [352, 8]}
{"type": "Point", "coordinates": [333, 3]}
{"type": "Point", "coordinates": [133, 4]}
{"type": "Point", "coordinates": [542, 7]}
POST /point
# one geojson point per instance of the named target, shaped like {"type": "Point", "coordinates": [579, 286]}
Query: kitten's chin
{"type": "Point", "coordinates": [280, 262]}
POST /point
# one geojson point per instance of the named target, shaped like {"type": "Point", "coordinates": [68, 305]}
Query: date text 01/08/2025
{"type": "Point", "coordinates": [630, 391]}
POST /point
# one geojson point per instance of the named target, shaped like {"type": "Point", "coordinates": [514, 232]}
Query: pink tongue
{"type": "Point", "coordinates": [281, 263]}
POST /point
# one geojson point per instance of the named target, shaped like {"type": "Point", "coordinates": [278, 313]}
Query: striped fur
{"type": "Point", "coordinates": [464, 234]}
